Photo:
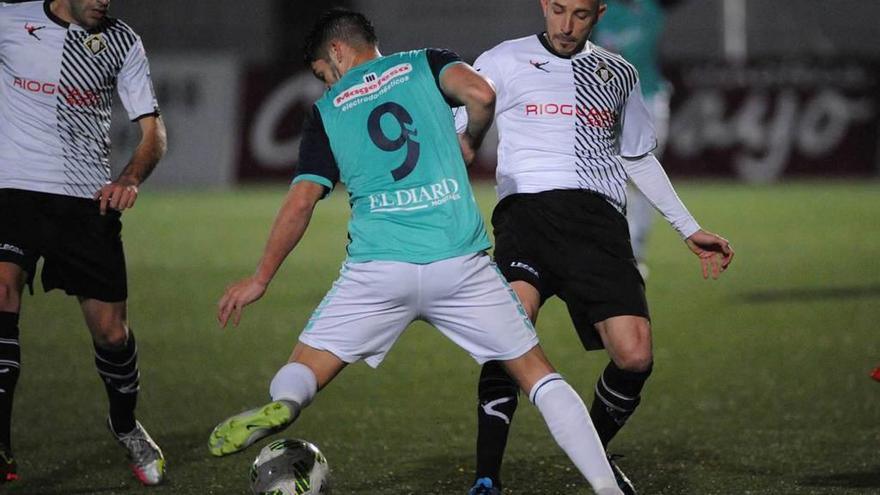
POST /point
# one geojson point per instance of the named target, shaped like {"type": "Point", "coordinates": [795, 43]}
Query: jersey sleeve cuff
{"type": "Point", "coordinates": [328, 186]}
{"type": "Point", "coordinates": [154, 113]}
{"type": "Point", "coordinates": [688, 227]}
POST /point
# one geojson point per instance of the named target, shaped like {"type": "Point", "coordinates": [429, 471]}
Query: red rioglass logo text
{"type": "Point", "coordinates": [72, 96]}
{"type": "Point", "coordinates": [594, 117]}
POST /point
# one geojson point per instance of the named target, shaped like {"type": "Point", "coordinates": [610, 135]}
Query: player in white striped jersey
{"type": "Point", "coordinates": [573, 127]}
{"type": "Point", "coordinates": [60, 62]}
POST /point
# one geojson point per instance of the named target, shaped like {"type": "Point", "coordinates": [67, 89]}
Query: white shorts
{"type": "Point", "coordinates": [466, 298]}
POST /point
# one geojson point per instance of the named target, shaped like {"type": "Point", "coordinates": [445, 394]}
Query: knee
{"type": "Point", "coordinates": [9, 297]}
{"type": "Point", "coordinates": [109, 334]}
{"type": "Point", "coordinates": [636, 358]}
{"type": "Point", "coordinates": [635, 362]}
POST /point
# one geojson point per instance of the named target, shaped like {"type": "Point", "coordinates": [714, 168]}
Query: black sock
{"type": "Point", "coordinates": [10, 366]}
{"type": "Point", "coordinates": [497, 393]}
{"type": "Point", "coordinates": [118, 369]}
{"type": "Point", "coordinates": [616, 398]}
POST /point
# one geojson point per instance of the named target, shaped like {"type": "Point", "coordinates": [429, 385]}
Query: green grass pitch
{"type": "Point", "coordinates": [760, 387]}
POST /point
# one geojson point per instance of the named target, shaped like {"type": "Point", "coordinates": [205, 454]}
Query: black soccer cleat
{"type": "Point", "coordinates": [623, 482]}
{"type": "Point", "coordinates": [8, 466]}
{"type": "Point", "coordinates": [484, 486]}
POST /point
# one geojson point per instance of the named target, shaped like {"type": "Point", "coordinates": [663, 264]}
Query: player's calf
{"type": "Point", "coordinates": [617, 395]}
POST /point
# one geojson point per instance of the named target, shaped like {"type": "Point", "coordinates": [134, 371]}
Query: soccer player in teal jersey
{"type": "Point", "coordinates": [417, 241]}
{"type": "Point", "coordinates": [634, 29]}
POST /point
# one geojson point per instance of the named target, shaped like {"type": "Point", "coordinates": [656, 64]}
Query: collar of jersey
{"type": "Point", "coordinates": [61, 22]}
{"type": "Point", "coordinates": [52, 17]}
{"type": "Point", "coordinates": [587, 49]}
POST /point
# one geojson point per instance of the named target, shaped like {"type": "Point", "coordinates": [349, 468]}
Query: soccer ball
{"type": "Point", "coordinates": [290, 467]}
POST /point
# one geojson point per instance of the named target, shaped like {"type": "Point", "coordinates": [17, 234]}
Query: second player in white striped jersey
{"type": "Point", "coordinates": [56, 89]}
{"type": "Point", "coordinates": [573, 128]}
{"type": "Point", "coordinates": [561, 117]}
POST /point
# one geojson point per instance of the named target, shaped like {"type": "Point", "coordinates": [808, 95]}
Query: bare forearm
{"type": "Point", "coordinates": [480, 117]}
{"type": "Point", "coordinates": [287, 231]}
{"type": "Point", "coordinates": [146, 156]}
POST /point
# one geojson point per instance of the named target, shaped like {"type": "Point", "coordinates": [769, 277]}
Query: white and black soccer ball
{"type": "Point", "coordinates": [290, 467]}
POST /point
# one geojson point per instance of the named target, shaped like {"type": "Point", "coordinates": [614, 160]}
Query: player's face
{"type": "Point", "coordinates": [324, 72]}
{"type": "Point", "coordinates": [569, 22]}
{"type": "Point", "coordinates": [89, 13]}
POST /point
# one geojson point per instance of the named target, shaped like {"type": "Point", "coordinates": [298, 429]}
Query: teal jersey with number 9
{"type": "Point", "coordinates": [393, 138]}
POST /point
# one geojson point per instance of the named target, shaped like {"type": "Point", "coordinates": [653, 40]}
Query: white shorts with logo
{"type": "Point", "coordinates": [466, 298]}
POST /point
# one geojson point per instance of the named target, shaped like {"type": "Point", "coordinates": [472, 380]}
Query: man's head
{"type": "Point", "coordinates": [86, 13]}
{"type": "Point", "coordinates": [569, 22]}
{"type": "Point", "coordinates": [337, 42]}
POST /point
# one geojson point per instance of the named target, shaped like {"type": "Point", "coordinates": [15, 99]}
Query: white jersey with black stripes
{"type": "Point", "coordinates": [56, 90]}
{"type": "Point", "coordinates": [565, 123]}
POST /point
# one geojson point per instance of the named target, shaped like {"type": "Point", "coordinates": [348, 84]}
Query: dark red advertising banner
{"type": "Point", "coordinates": [771, 119]}
{"type": "Point", "coordinates": [757, 122]}
{"type": "Point", "coordinates": [273, 108]}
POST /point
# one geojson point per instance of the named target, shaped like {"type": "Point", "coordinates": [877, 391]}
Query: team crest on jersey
{"type": "Point", "coordinates": [604, 74]}
{"type": "Point", "coordinates": [95, 44]}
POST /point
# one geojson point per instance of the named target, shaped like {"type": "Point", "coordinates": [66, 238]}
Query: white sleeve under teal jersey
{"type": "Point", "coordinates": [386, 131]}
{"type": "Point", "coordinates": [56, 89]}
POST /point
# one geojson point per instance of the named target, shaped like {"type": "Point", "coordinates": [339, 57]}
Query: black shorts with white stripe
{"type": "Point", "coordinates": [81, 249]}
{"type": "Point", "coordinates": [573, 244]}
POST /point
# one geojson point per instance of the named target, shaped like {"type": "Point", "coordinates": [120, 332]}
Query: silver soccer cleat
{"type": "Point", "coordinates": [147, 461]}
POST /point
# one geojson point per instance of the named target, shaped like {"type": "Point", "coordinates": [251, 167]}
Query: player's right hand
{"type": "Point", "coordinates": [467, 148]}
{"type": "Point", "coordinates": [236, 297]}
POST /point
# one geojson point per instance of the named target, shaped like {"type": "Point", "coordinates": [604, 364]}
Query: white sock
{"type": "Point", "coordinates": [569, 423]}
{"type": "Point", "coordinates": [294, 382]}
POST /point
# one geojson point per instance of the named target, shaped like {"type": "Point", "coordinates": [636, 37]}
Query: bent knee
{"type": "Point", "coordinates": [10, 297]}
{"type": "Point", "coordinates": [636, 361]}
{"type": "Point", "coordinates": [110, 335]}
{"type": "Point", "coordinates": [635, 357]}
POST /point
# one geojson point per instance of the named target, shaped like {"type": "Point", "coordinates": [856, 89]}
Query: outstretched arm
{"type": "Point", "coordinates": [465, 86]}
{"type": "Point", "coordinates": [290, 225]}
{"type": "Point", "coordinates": [648, 175]}
{"type": "Point", "coordinates": [122, 192]}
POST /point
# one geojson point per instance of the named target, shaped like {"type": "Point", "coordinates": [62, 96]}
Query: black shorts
{"type": "Point", "coordinates": [81, 249]}
{"type": "Point", "coordinates": [575, 245]}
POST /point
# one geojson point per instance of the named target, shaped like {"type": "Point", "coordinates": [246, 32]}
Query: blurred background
{"type": "Point", "coordinates": [763, 89]}
{"type": "Point", "coordinates": [762, 380]}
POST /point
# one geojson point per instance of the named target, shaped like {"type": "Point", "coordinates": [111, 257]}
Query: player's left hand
{"type": "Point", "coordinates": [236, 297]}
{"type": "Point", "coordinates": [714, 251]}
{"type": "Point", "coordinates": [118, 195]}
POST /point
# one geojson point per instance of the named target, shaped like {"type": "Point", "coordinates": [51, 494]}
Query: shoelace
{"type": "Point", "coordinates": [139, 448]}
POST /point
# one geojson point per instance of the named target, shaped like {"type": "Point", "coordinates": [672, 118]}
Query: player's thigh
{"type": "Point", "coordinates": [529, 296]}
{"type": "Point", "coordinates": [628, 341]}
{"type": "Point", "coordinates": [83, 254]}
{"type": "Point", "coordinates": [468, 300]}
{"type": "Point", "coordinates": [364, 312]}
{"type": "Point", "coordinates": [107, 321]}
{"type": "Point", "coordinates": [519, 248]}
{"type": "Point", "coordinates": [598, 275]}
{"type": "Point", "coordinates": [324, 364]}
{"type": "Point", "coordinates": [529, 368]}
{"type": "Point", "coordinates": [18, 248]}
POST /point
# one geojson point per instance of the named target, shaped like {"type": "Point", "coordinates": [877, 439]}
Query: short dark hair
{"type": "Point", "coordinates": [342, 24]}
